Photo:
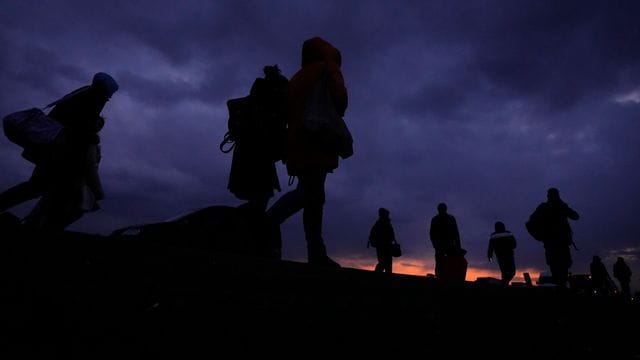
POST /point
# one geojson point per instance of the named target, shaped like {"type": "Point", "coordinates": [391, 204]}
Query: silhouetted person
{"type": "Point", "coordinates": [444, 236]}
{"type": "Point", "coordinates": [253, 175]}
{"type": "Point", "coordinates": [67, 179]}
{"type": "Point", "coordinates": [381, 237]}
{"type": "Point", "coordinates": [309, 163]}
{"type": "Point", "coordinates": [502, 242]}
{"type": "Point", "coordinates": [556, 235]}
{"type": "Point", "coordinates": [622, 272]}
{"type": "Point", "coordinates": [600, 279]}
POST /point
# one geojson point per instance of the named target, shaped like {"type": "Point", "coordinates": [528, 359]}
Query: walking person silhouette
{"type": "Point", "coordinates": [321, 61]}
{"type": "Point", "coordinates": [66, 179]}
{"type": "Point", "coordinates": [551, 219]}
{"type": "Point", "coordinates": [381, 238]}
{"type": "Point", "coordinates": [503, 243]}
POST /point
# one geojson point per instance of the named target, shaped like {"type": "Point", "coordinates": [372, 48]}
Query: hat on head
{"type": "Point", "coordinates": [105, 82]}
{"type": "Point", "coordinates": [383, 212]}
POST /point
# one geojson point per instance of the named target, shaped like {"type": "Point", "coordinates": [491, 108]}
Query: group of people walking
{"type": "Point", "coordinates": [548, 224]}
{"type": "Point", "coordinates": [66, 179]}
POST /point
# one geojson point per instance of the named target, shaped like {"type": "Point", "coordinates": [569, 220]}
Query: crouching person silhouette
{"type": "Point", "coordinates": [67, 181]}
{"type": "Point", "coordinates": [310, 164]}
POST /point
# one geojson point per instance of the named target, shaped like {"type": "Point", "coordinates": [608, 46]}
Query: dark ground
{"type": "Point", "coordinates": [92, 297]}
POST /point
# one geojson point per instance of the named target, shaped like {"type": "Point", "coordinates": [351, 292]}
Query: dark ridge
{"type": "Point", "coordinates": [77, 295]}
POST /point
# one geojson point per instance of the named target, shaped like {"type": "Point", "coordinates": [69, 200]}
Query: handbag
{"type": "Point", "coordinates": [395, 249]}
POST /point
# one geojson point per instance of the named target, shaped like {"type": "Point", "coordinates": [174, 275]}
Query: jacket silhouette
{"type": "Point", "coordinates": [381, 237]}
{"type": "Point", "coordinates": [556, 235]}
{"type": "Point", "coordinates": [304, 161]}
{"type": "Point", "coordinates": [503, 243]}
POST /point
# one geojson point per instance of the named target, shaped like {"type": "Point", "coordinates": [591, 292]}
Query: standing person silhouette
{"type": "Point", "coordinates": [600, 279]}
{"type": "Point", "coordinates": [502, 243]}
{"type": "Point", "coordinates": [381, 237]}
{"type": "Point", "coordinates": [556, 235]}
{"type": "Point", "coordinates": [622, 272]}
{"type": "Point", "coordinates": [67, 180]}
{"type": "Point", "coordinates": [309, 163]}
{"type": "Point", "coordinates": [259, 144]}
{"type": "Point", "coordinates": [444, 236]}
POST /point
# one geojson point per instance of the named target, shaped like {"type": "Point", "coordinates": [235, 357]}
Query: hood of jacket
{"type": "Point", "coordinates": [318, 49]}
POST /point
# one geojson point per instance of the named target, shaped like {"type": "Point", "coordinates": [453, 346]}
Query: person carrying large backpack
{"type": "Point", "coordinates": [551, 219]}
{"type": "Point", "coordinates": [65, 177]}
{"type": "Point", "coordinates": [257, 131]}
{"type": "Point", "coordinates": [305, 160]}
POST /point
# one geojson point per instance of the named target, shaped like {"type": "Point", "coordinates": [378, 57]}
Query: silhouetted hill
{"type": "Point", "coordinates": [76, 295]}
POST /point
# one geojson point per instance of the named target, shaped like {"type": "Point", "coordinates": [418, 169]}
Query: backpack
{"type": "Point", "coordinates": [240, 111]}
{"type": "Point", "coordinates": [324, 127]}
{"type": "Point", "coordinates": [534, 226]}
{"type": "Point", "coordinates": [34, 131]}
{"type": "Point", "coordinates": [255, 118]}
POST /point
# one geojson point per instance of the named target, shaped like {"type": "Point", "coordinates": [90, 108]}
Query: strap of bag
{"type": "Point", "coordinates": [227, 140]}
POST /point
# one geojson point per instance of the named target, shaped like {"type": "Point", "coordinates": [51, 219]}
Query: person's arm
{"type": "Point", "coordinates": [571, 214]}
{"type": "Point", "coordinates": [490, 249]}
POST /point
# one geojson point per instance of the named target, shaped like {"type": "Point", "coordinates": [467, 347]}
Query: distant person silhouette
{"type": "Point", "coordinates": [556, 235]}
{"type": "Point", "coordinates": [600, 279]}
{"type": "Point", "coordinates": [445, 238]}
{"type": "Point", "coordinates": [381, 237]}
{"type": "Point", "coordinates": [309, 163]}
{"type": "Point", "coordinates": [622, 272]}
{"type": "Point", "coordinates": [67, 180]}
{"type": "Point", "coordinates": [503, 243]}
{"type": "Point", "coordinates": [260, 144]}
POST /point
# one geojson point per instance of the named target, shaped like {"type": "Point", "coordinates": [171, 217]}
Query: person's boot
{"type": "Point", "coordinates": [317, 256]}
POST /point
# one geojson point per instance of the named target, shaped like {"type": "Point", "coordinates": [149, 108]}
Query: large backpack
{"type": "Point", "coordinates": [259, 116]}
{"type": "Point", "coordinates": [34, 131]}
{"type": "Point", "coordinates": [535, 226]}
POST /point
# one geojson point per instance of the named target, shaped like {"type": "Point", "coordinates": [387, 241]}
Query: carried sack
{"type": "Point", "coordinates": [534, 226]}
{"type": "Point", "coordinates": [395, 249]}
{"type": "Point", "coordinates": [33, 130]}
{"type": "Point", "coordinates": [325, 128]}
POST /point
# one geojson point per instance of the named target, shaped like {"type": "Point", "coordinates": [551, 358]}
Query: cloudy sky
{"type": "Point", "coordinates": [479, 104]}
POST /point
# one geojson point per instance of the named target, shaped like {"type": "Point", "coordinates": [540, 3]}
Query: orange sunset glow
{"type": "Point", "coordinates": [421, 267]}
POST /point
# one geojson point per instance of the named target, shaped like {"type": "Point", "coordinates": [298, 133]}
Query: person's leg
{"type": "Point", "coordinates": [287, 205]}
{"type": "Point", "coordinates": [312, 187]}
{"type": "Point", "coordinates": [389, 263]}
{"type": "Point", "coordinates": [25, 191]}
{"type": "Point", "coordinates": [507, 268]}
{"type": "Point", "coordinates": [380, 264]}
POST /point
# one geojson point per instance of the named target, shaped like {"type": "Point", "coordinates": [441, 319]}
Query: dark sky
{"type": "Point", "coordinates": [479, 104]}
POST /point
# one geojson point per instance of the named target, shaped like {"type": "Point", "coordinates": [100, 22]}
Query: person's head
{"type": "Point", "coordinates": [383, 213]}
{"type": "Point", "coordinates": [105, 84]}
{"type": "Point", "coordinates": [318, 49]}
{"type": "Point", "coordinates": [442, 208]}
{"type": "Point", "coordinates": [271, 71]}
{"type": "Point", "coordinates": [499, 226]}
{"type": "Point", "coordinates": [596, 258]}
{"type": "Point", "coordinates": [553, 194]}
{"type": "Point", "coordinates": [620, 259]}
